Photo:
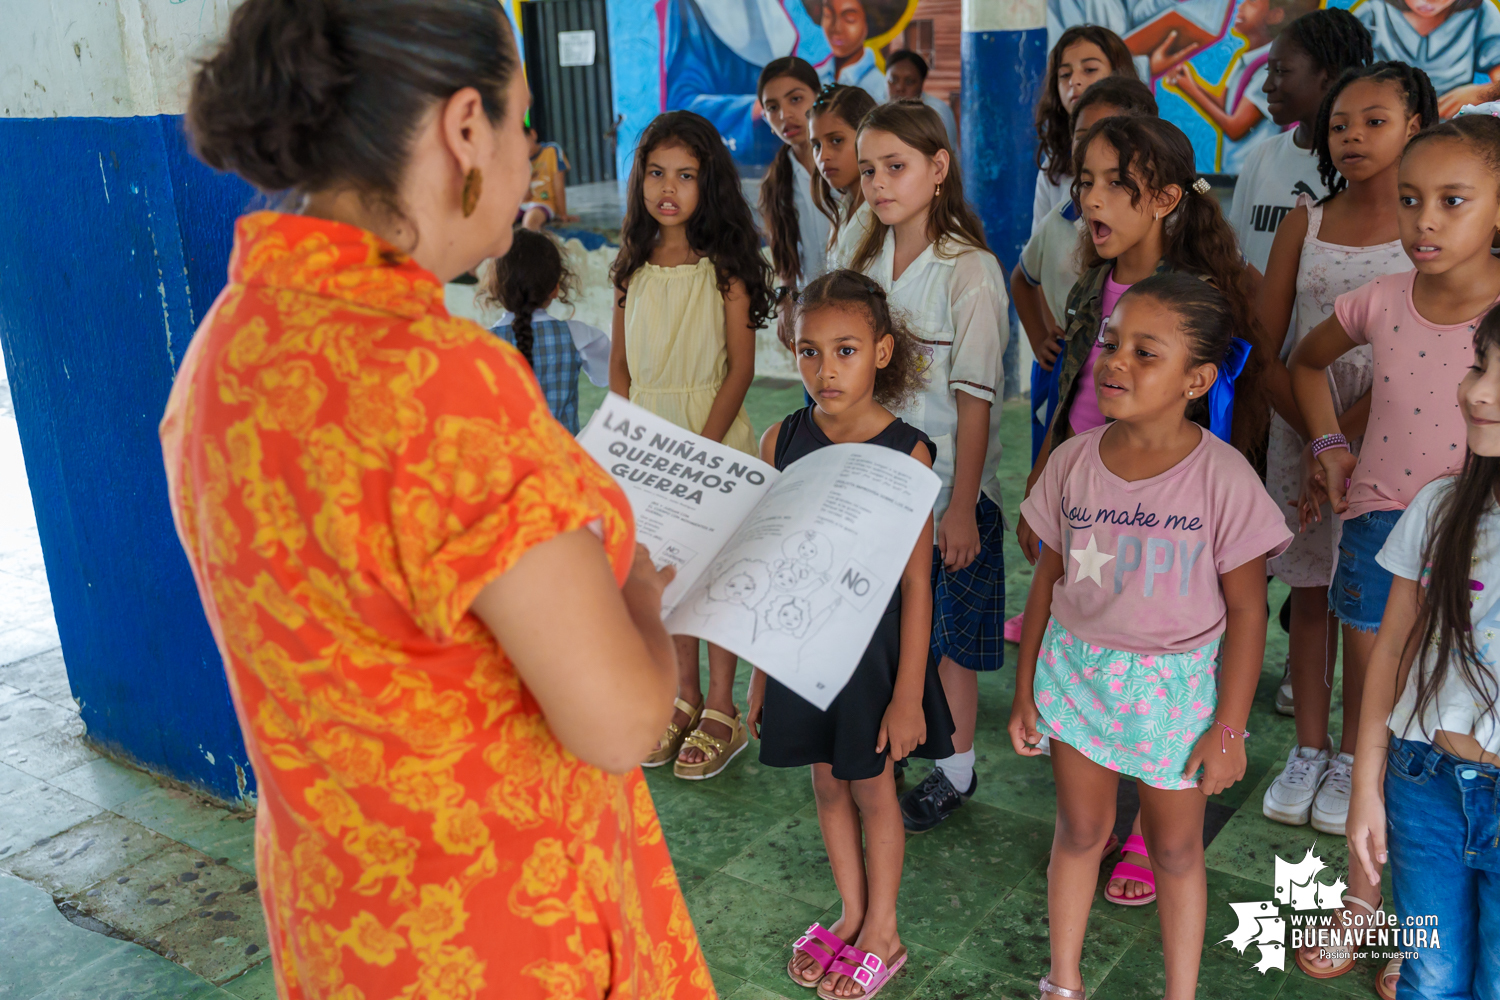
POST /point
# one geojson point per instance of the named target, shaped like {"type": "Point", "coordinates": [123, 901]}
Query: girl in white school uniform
{"type": "Point", "coordinates": [926, 247]}
{"type": "Point", "coordinates": [796, 227]}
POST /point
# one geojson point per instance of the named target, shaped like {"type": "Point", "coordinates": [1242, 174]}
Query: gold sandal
{"type": "Point", "coordinates": [671, 741]}
{"type": "Point", "coordinates": [716, 752]}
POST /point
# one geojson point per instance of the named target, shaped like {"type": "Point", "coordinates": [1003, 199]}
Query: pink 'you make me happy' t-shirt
{"type": "Point", "coordinates": [1142, 559]}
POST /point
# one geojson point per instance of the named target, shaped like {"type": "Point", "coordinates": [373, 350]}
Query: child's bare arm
{"type": "Point", "coordinates": [1025, 733]}
{"type": "Point", "coordinates": [1386, 676]}
{"type": "Point", "coordinates": [619, 369]}
{"type": "Point", "coordinates": [739, 337]}
{"type": "Point", "coordinates": [1241, 652]}
{"type": "Point", "coordinates": [1030, 307]}
{"type": "Point", "coordinates": [958, 535]}
{"type": "Point", "coordinates": [1278, 292]}
{"type": "Point", "coordinates": [1323, 345]}
{"type": "Point", "coordinates": [904, 726]}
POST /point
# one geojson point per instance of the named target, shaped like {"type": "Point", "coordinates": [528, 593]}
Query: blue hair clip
{"type": "Point", "coordinates": [1221, 393]}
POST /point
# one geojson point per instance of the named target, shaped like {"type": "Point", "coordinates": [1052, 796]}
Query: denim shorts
{"type": "Point", "coordinates": [1443, 818]}
{"type": "Point", "coordinates": [1360, 584]}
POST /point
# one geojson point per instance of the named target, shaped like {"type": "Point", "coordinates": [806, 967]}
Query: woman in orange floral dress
{"type": "Point", "coordinates": [446, 655]}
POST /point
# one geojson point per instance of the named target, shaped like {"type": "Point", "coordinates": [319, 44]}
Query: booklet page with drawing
{"type": "Point", "coordinates": [790, 570]}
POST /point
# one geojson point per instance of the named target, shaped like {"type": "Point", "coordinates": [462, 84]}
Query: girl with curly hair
{"type": "Point", "coordinates": [693, 289]}
{"type": "Point", "coordinates": [858, 363]}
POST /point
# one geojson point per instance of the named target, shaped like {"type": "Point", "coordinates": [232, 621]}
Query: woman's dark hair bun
{"type": "Point", "coordinates": [262, 101]}
{"type": "Point", "coordinates": [302, 95]}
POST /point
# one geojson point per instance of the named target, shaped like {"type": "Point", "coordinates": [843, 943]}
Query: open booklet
{"type": "Point", "coordinates": [789, 570]}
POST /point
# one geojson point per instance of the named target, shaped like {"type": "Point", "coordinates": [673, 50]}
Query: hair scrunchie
{"type": "Point", "coordinates": [1221, 393]}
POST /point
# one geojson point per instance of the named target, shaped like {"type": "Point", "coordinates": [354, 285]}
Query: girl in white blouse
{"type": "Point", "coordinates": [926, 247]}
{"type": "Point", "coordinates": [1428, 764]}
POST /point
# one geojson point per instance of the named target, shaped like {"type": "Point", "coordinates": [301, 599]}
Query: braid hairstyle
{"type": "Point", "coordinates": [849, 105]}
{"type": "Point", "coordinates": [901, 378]}
{"type": "Point", "coordinates": [524, 279]}
{"type": "Point", "coordinates": [1445, 624]}
{"type": "Point", "coordinates": [1054, 137]}
{"type": "Point", "coordinates": [949, 216]}
{"type": "Point", "coordinates": [721, 229]}
{"type": "Point", "coordinates": [1416, 92]}
{"type": "Point", "coordinates": [1131, 97]}
{"type": "Point", "coordinates": [1333, 39]}
{"type": "Point", "coordinates": [777, 209]}
{"type": "Point", "coordinates": [1154, 155]}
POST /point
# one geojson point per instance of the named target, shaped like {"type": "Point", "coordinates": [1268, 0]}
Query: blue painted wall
{"type": "Point", "coordinates": [1002, 79]}
{"type": "Point", "coordinates": [116, 242]}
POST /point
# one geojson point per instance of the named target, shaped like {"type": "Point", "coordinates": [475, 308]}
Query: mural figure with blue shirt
{"type": "Point", "coordinates": [712, 52]}
{"type": "Point", "coordinates": [856, 31]}
{"type": "Point", "coordinates": [712, 55]}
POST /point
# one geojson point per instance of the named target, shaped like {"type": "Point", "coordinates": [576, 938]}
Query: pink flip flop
{"type": "Point", "coordinates": [868, 971]}
{"type": "Point", "coordinates": [824, 959]}
{"type": "Point", "coordinates": [1012, 628]}
{"type": "Point", "coordinates": [1124, 869]}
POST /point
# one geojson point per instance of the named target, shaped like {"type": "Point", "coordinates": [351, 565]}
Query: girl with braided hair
{"type": "Point", "coordinates": [530, 277]}
{"type": "Point", "coordinates": [1322, 251]}
{"type": "Point", "coordinates": [1301, 64]}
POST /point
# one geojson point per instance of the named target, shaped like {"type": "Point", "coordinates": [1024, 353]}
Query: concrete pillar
{"type": "Point", "coordinates": [1004, 62]}
{"type": "Point", "coordinates": [114, 241]}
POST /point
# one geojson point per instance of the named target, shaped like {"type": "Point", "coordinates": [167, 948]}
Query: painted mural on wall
{"type": "Point", "coordinates": [712, 51]}
{"type": "Point", "coordinates": [1207, 58]}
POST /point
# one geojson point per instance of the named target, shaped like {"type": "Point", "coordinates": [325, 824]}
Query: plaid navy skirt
{"type": "Point", "coordinates": [968, 606]}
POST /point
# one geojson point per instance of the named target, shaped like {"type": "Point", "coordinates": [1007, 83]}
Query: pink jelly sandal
{"type": "Point", "coordinates": [1124, 869]}
{"type": "Point", "coordinates": [869, 972]}
{"type": "Point", "coordinates": [825, 937]}
{"type": "Point", "coordinates": [1011, 630]}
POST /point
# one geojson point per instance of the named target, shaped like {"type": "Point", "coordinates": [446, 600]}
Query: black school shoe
{"type": "Point", "coordinates": [933, 801]}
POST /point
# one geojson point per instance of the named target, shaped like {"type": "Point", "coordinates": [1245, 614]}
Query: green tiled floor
{"type": "Point", "coordinates": [746, 844]}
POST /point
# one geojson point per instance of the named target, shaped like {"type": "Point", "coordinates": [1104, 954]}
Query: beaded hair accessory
{"type": "Point", "coordinates": [1491, 108]}
{"type": "Point", "coordinates": [1201, 186]}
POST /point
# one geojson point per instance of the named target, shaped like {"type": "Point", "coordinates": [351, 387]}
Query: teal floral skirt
{"type": "Point", "coordinates": [1137, 714]}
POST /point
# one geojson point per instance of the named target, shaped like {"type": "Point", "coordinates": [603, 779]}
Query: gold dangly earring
{"type": "Point", "coordinates": [938, 191]}
{"type": "Point", "coordinates": [473, 188]}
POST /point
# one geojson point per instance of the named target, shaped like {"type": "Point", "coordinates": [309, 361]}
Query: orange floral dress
{"type": "Point", "coordinates": [349, 465]}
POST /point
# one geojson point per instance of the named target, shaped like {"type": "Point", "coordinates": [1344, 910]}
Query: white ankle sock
{"type": "Point", "coordinates": [960, 769]}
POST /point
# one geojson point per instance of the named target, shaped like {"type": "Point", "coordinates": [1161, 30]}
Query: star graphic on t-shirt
{"type": "Point", "coordinates": [1090, 562]}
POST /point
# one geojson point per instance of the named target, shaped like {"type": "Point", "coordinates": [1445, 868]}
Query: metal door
{"type": "Point", "coordinates": [567, 65]}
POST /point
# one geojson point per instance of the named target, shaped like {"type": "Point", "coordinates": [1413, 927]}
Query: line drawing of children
{"type": "Point", "coordinates": [733, 594]}
{"type": "Point", "coordinates": [792, 616]}
{"type": "Point", "coordinates": [1452, 41]}
{"type": "Point", "coordinates": [1237, 106]}
{"type": "Point", "coordinates": [811, 547]}
{"type": "Point", "coordinates": [791, 576]}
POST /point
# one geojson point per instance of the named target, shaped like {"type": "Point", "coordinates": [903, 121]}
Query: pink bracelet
{"type": "Point", "coordinates": [1233, 734]}
{"type": "Point", "coordinates": [1327, 441]}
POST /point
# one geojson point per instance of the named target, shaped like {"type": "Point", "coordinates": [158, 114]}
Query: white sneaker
{"type": "Point", "coordinates": [1289, 800]}
{"type": "Point", "coordinates": [1284, 692]}
{"type": "Point", "coordinates": [1330, 809]}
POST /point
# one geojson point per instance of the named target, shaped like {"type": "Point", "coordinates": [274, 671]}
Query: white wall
{"type": "Point", "coordinates": [103, 58]}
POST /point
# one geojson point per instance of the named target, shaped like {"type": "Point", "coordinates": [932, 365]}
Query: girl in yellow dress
{"type": "Point", "coordinates": [693, 289]}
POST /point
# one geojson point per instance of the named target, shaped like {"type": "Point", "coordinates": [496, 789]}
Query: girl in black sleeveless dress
{"type": "Point", "coordinates": [793, 732]}
{"type": "Point", "coordinates": [858, 362]}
